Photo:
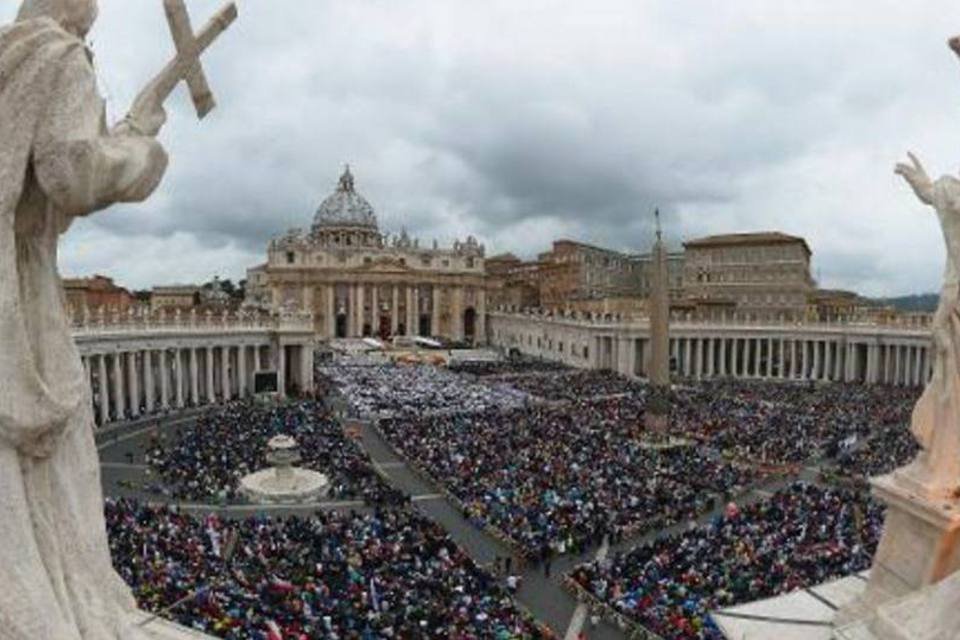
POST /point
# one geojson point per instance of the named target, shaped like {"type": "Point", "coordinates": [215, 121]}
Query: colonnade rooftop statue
{"type": "Point", "coordinates": [59, 161]}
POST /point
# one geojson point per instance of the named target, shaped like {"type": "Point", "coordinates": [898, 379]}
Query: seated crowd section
{"type": "Point", "coordinates": [802, 536]}
{"type": "Point", "coordinates": [550, 460]}
{"type": "Point", "coordinates": [388, 574]}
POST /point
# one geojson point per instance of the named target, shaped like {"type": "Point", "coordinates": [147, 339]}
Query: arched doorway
{"type": "Point", "coordinates": [470, 324]}
{"type": "Point", "coordinates": [425, 328]}
{"type": "Point", "coordinates": [341, 330]}
{"type": "Point", "coordinates": [401, 329]}
{"type": "Point", "coordinates": [383, 331]}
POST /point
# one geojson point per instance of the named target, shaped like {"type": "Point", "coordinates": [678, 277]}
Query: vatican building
{"type": "Point", "coordinates": [359, 282]}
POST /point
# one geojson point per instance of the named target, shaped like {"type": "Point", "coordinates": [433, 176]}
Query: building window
{"type": "Point", "coordinates": [470, 263]}
{"type": "Point", "coordinates": [291, 257]}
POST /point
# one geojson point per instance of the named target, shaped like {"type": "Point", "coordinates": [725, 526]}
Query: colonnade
{"type": "Point", "coordinates": [856, 353]}
{"type": "Point", "coordinates": [803, 358]}
{"type": "Point", "coordinates": [129, 381]}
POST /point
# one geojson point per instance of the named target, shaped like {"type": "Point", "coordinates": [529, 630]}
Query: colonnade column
{"type": "Point", "coordinates": [375, 311]}
{"type": "Point", "coordinates": [723, 357]}
{"type": "Point", "coordinates": [225, 386]}
{"type": "Point", "coordinates": [735, 357]}
{"type": "Point", "coordinates": [104, 389]}
{"type": "Point", "coordinates": [194, 377]}
{"type": "Point", "coordinates": [149, 390]}
{"type": "Point", "coordinates": [118, 400]}
{"type": "Point", "coordinates": [133, 383]}
{"type": "Point", "coordinates": [208, 366]}
{"type": "Point", "coordinates": [164, 371]}
{"type": "Point", "coordinates": [481, 324]}
{"type": "Point", "coordinates": [243, 385]}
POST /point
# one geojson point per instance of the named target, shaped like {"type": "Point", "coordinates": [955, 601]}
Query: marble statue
{"type": "Point", "coordinates": [59, 161]}
{"type": "Point", "coordinates": [935, 422]}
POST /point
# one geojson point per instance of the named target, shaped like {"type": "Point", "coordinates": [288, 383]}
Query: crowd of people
{"type": "Point", "coordinates": [570, 386]}
{"type": "Point", "coordinates": [555, 479]}
{"type": "Point", "coordinates": [206, 460]}
{"type": "Point", "coordinates": [484, 368]}
{"type": "Point", "coordinates": [802, 536]}
{"type": "Point", "coordinates": [786, 423]}
{"type": "Point", "coordinates": [891, 447]}
{"type": "Point", "coordinates": [346, 575]}
{"type": "Point", "coordinates": [392, 389]}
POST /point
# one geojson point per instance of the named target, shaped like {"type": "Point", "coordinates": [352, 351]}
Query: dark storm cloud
{"type": "Point", "coordinates": [523, 122]}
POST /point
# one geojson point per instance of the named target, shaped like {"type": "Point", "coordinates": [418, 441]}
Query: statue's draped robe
{"type": "Point", "coordinates": [57, 162]}
{"type": "Point", "coordinates": [934, 416]}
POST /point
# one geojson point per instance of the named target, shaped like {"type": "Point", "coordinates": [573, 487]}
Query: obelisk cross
{"type": "Point", "coordinates": [189, 48]}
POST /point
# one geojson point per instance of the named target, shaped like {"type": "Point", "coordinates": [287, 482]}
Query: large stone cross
{"type": "Point", "coordinates": [186, 66]}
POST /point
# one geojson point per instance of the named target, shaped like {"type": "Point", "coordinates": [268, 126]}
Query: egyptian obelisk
{"type": "Point", "coordinates": [658, 406]}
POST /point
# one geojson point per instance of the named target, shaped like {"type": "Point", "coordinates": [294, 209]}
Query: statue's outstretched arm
{"type": "Point", "coordinates": [917, 177]}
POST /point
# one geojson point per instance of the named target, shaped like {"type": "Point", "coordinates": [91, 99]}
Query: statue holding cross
{"type": "Point", "coordinates": [58, 162]}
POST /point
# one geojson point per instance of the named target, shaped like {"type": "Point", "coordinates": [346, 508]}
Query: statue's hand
{"type": "Point", "coordinates": [147, 115]}
{"type": "Point", "coordinates": [917, 177]}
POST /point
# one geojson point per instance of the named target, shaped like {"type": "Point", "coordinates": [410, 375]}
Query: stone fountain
{"type": "Point", "coordinates": [284, 483]}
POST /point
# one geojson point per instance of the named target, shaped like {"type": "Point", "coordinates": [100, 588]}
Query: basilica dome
{"type": "Point", "coordinates": [345, 208]}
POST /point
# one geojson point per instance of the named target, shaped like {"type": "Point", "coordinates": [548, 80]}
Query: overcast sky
{"type": "Point", "coordinates": [520, 122]}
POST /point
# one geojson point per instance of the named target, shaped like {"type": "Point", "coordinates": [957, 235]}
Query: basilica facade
{"type": "Point", "coordinates": [359, 282]}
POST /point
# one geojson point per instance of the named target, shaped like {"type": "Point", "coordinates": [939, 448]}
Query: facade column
{"type": "Point", "coordinates": [481, 324]}
{"type": "Point", "coordinates": [408, 323]}
{"type": "Point", "coordinates": [395, 311]}
{"type": "Point", "coordinates": [415, 311]}
{"type": "Point", "coordinates": [134, 384]}
{"type": "Point", "coordinates": [282, 371]}
{"type": "Point", "coordinates": [149, 391]}
{"type": "Point", "coordinates": [887, 364]}
{"type": "Point", "coordinates": [306, 369]}
{"type": "Point", "coordinates": [104, 389]}
{"type": "Point", "coordinates": [375, 311]}
{"type": "Point", "coordinates": [757, 373]}
{"type": "Point", "coordinates": [435, 315]}
{"type": "Point", "coordinates": [361, 309]}
{"type": "Point", "coordinates": [331, 302]}
{"type": "Point", "coordinates": [118, 398]}
{"type": "Point", "coordinates": [688, 357]}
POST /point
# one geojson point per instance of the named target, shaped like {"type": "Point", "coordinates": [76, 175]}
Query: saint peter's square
{"type": "Point", "coordinates": [470, 322]}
